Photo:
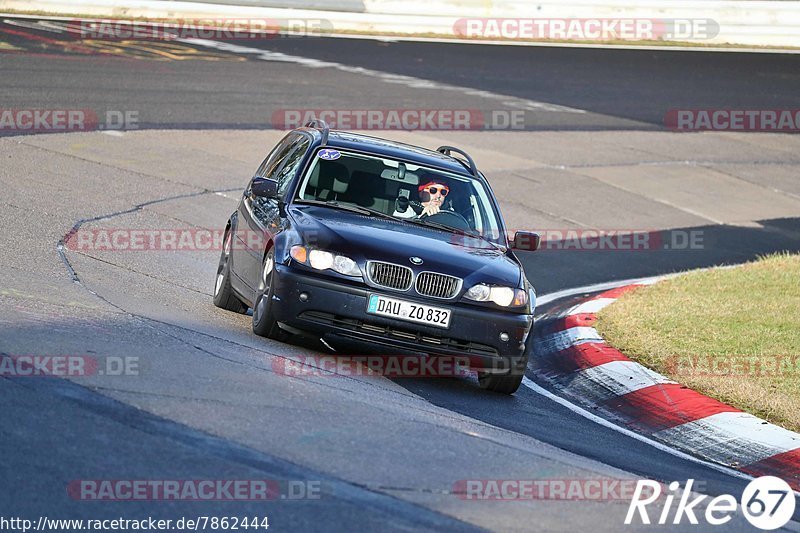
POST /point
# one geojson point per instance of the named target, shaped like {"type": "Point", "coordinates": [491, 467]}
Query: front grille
{"type": "Point", "coordinates": [357, 329]}
{"type": "Point", "coordinates": [390, 275]}
{"type": "Point", "coordinates": [437, 285]}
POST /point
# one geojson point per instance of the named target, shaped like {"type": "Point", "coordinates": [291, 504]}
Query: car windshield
{"type": "Point", "coordinates": [401, 190]}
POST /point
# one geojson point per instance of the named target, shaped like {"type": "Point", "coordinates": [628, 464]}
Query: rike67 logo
{"type": "Point", "coordinates": [767, 503]}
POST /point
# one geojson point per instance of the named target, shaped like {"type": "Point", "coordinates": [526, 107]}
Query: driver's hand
{"type": "Point", "coordinates": [430, 209]}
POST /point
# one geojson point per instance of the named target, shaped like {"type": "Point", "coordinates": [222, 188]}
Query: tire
{"type": "Point", "coordinates": [504, 383]}
{"type": "Point", "coordinates": [264, 323]}
{"type": "Point", "coordinates": [500, 384]}
{"type": "Point", "coordinates": [223, 293]}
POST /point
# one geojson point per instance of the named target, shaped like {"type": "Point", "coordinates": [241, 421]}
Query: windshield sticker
{"type": "Point", "coordinates": [329, 154]}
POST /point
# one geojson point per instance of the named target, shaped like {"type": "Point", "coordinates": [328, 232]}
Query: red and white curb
{"type": "Point", "coordinates": [571, 357]}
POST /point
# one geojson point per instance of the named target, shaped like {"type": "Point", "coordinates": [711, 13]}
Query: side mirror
{"type": "Point", "coordinates": [526, 241]}
{"type": "Point", "coordinates": [264, 187]}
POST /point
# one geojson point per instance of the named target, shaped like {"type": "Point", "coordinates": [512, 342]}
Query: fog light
{"type": "Point", "coordinates": [504, 337]}
{"type": "Point", "coordinates": [303, 296]}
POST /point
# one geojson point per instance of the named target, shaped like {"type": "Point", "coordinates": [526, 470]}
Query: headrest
{"type": "Point", "coordinates": [330, 175]}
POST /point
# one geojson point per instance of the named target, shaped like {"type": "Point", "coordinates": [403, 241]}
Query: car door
{"type": "Point", "coordinates": [260, 218]}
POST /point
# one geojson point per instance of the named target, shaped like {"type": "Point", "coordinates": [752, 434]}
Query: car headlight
{"type": "Point", "coordinates": [344, 265]}
{"type": "Point", "coordinates": [502, 296]}
{"type": "Point", "coordinates": [479, 293]}
{"type": "Point", "coordinates": [322, 260]}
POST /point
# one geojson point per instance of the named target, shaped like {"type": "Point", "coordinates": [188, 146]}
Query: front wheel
{"type": "Point", "coordinates": [264, 323]}
{"type": "Point", "coordinates": [502, 384]}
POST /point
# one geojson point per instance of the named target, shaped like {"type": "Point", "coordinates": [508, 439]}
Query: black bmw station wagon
{"type": "Point", "coordinates": [350, 237]}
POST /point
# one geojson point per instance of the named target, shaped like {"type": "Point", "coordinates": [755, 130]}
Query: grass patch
{"type": "Point", "coordinates": [732, 334]}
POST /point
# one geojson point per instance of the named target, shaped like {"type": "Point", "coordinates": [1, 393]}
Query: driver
{"type": "Point", "coordinates": [432, 195]}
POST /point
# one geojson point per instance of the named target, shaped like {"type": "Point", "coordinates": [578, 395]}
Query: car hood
{"type": "Point", "coordinates": [364, 237]}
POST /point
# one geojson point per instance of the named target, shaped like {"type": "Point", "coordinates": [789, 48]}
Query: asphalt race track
{"type": "Point", "coordinates": [205, 401]}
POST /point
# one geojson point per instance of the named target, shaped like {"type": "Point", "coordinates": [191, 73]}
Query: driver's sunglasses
{"type": "Point", "coordinates": [434, 190]}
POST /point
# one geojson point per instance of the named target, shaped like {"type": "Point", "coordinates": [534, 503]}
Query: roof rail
{"type": "Point", "coordinates": [322, 126]}
{"type": "Point", "coordinates": [469, 164]}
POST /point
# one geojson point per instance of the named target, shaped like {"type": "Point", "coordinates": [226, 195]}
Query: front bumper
{"type": "Point", "coordinates": [335, 308]}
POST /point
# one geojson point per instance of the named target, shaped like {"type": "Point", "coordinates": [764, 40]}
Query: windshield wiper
{"type": "Point", "coordinates": [347, 207]}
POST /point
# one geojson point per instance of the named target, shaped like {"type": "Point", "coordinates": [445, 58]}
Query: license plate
{"type": "Point", "coordinates": [411, 312]}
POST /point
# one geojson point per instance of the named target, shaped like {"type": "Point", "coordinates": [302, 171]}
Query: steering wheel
{"type": "Point", "coordinates": [449, 218]}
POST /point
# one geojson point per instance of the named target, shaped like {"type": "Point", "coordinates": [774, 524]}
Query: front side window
{"type": "Point", "coordinates": [276, 156]}
{"type": "Point", "coordinates": [401, 190]}
{"type": "Point", "coordinates": [291, 163]}
{"type": "Point", "coordinates": [281, 165]}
